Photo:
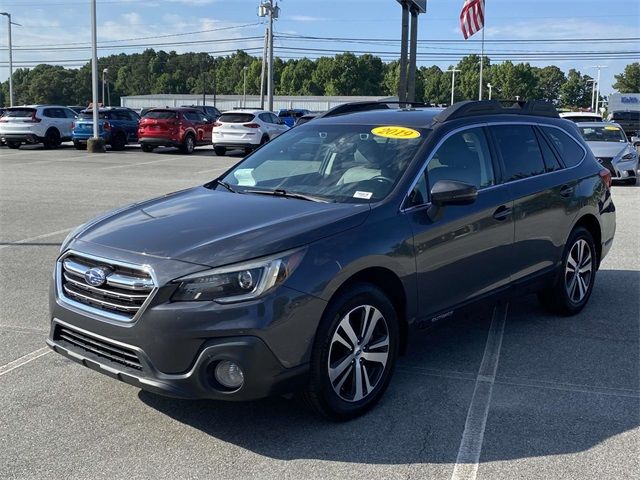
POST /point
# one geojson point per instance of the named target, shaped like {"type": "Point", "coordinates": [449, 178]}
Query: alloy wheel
{"type": "Point", "coordinates": [578, 271]}
{"type": "Point", "coordinates": [358, 353]}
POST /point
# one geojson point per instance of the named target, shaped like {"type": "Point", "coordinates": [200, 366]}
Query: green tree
{"type": "Point", "coordinates": [575, 92]}
{"type": "Point", "coordinates": [550, 80]}
{"type": "Point", "coordinates": [629, 80]}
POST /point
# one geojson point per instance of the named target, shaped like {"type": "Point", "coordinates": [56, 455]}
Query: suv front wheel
{"type": "Point", "coordinates": [572, 289]}
{"type": "Point", "coordinates": [354, 353]}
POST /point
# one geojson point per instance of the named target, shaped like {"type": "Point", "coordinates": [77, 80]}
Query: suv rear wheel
{"type": "Point", "coordinates": [189, 144]}
{"type": "Point", "coordinates": [220, 151]}
{"type": "Point", "coordinates": [354, 353]}
{"type": "Point", "coordinates": [51, 138]}
{"type": "Point", "coordinates": [146, 147]}
{"type": "Point", "coordinates": [80, 145]}
{"type": "Point", "coordinates": [571, 291]}
{"type": "Point", "coordinates": [119, 141]}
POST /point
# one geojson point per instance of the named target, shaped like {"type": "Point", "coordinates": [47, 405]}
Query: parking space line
{"type": "Point", "coordinates": [31, 239]}
{"type": "Point", "coordinates": [14, 328]}
{"type": "Point", "coordinates": [568, 387]}
{"type": "Point", "coordinates": [30, 357]}
{"type": "Point", "coordinates": [467, 461]}
{"type": "Point", "coordinates": [54, 160]}
{"type": "Point", "coordinates": [141, 163]}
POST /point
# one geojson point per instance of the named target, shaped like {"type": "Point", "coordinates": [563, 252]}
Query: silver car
{"type": "Point", "coordinates": [610, 146]}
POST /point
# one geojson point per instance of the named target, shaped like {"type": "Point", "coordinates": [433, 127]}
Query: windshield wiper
{"type": "Point", "coordinates": [282, 193]}
{"type": "Point", "coordinates": [217, 181]}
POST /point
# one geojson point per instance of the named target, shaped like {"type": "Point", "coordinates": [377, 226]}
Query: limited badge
{"type": "Point", "coordinates": [395, 132]}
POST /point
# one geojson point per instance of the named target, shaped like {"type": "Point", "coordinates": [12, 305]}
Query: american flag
{"type": "Point", "coordinates": [472, 17]}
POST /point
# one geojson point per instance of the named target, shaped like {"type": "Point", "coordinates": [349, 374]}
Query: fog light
{"type": "Point", "coordinates": [229, 374]}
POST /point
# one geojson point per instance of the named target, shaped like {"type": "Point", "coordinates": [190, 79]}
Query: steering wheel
{"type": "Point", "coordinates": [382, 178]}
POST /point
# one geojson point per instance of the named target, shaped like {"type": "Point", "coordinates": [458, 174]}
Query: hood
{"type": "Point", "coordinates": [607, 149]}
{"type": "Point", "coordinates": [214, 228]}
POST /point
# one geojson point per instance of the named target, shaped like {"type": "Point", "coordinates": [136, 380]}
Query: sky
{"type": "Point", "coordinates": [543, 32]}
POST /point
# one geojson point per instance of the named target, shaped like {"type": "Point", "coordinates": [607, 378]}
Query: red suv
{"type": "Point", "coordinates": [184, 128]}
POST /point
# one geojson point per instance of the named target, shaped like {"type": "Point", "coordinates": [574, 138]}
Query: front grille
{"type": "Point", "coordinates": [82, 343]}
{"type": "Point", "coordinates": [122, 295]}
{"type": "Point", "coordinates": [607, 163]}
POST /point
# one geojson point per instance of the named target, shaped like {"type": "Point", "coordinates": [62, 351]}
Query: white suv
{"type": "Point", "coordinates": [246, 129]}
{"type": "Point", "coordinates": [46, 124]}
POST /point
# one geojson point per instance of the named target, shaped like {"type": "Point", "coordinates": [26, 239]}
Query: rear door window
{"type": "Point", "coordinates": [520, 151]}
{"type": "Point", "coordinates": [551, 161]}
{"type": "Point", "coordinates": [568, 149]}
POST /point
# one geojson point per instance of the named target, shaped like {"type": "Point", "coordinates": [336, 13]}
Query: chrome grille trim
{"type": "Point", "coordinates": [106, 350]}
{"type": "Point", "coordinates": [127, 292]}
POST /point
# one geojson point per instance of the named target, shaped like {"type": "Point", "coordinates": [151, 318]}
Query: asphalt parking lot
{"type": "Point", "coordinates": [504, 394]}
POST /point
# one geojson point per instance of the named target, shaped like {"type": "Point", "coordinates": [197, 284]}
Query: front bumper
{"type": "Point", "coordinates": [625, 170]}
{"type": "Point", "coordinates": [264, 374]}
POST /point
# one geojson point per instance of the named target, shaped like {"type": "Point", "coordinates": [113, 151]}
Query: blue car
{"type": "Point", "coordinates": [117, 126]}
{"type": "Point", "coordinates": [290, 116]}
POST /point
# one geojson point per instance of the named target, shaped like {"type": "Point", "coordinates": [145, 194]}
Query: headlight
{"type": "Point", "coordinates": [629, 156]}
{"type": "Point", "coordinates": [239, 282]}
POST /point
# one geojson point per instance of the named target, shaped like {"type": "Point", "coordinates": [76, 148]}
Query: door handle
{"type": "Point", "coordinates": [566, 191]}
{"type": "Point", "coordinates": [502, 212]}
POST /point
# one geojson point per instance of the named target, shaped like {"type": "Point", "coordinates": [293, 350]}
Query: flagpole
{"type": "Point", "coordinates": [482, 56]}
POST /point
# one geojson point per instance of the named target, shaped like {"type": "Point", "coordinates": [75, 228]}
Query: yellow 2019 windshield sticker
{"type": "Point", "coordinates": [393, 131]}
{"type": "Point", "coordinates": [611, 127]}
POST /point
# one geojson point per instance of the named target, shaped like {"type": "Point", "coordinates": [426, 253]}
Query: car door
{"type": "Point", "coordinates": [131, 125]}
{"type": "Point", "coordinates": [542, 193]}
{"type": "Point", "coordinates": [268, 124]}
{"type": "Point", "coordinates": [207, 128]}
{"type": "Point", "coordinates": [281, 126]}
{"type": "Point", "coordinates": [462, 251]}
{"type": "Point", "coordinates": [70, 117]}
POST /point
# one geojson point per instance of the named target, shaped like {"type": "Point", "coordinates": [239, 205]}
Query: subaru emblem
{"type": "Point", "coordinates": [96, 276]}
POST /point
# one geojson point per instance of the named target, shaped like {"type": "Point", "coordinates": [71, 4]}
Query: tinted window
{"type": "Point", "coordinates": [265, 117]}
{"type": "Point", "coordinates": [464, 157]}
{"type": "Point", "coordinates": [20, 112]}
{"type": "Point", "coordinates": [520, 151]}
{"type": "Point", "coordinates": [160, 114]}
{"type": "Point", "coordinates": [551, 162]}
{"type": "Point", "coordinates": [88, 115]}
{"type": "Point", "coordinates": [48, 112]}
{"type": "Point", "coordinates": [236, 117]}
{"type": "Point", "coordinates": [275, 119]}
{"type": "Point", "coordinates": [570, 152]}
{"type": "Point", "coordinates": [69, 113]}
{"type": "Point", "coordinates": [192, 116]}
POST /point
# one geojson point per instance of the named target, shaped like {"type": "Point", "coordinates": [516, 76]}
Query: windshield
{"type": "Point", "coordinates": [339, 163]}
{"type": "Point", "coordinates": [161, 114]}
{"type": "Point", "coordinates": [607, 133]}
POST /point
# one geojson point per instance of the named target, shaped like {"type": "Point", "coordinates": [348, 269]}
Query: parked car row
{"type": "Point", "coordinates": [185, 127]}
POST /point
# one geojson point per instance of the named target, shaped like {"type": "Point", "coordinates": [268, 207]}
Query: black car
{"type": "Point", "coordinates": [308, 265]}
{"type": "Point", "coordinates": [212, 113]}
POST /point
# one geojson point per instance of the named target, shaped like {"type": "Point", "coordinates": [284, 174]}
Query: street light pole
{"type": "Point", "coordinates": [267, 8]}
{"type": "Point", "coordinates": [453, 81]}
{"type": "Point", "coordinates": [598, 85]}
{"type": "Point", "coordinates": [104, 72]}
{"type": "Point", "coordinates": [593, 93]}
{"type": "Point", "coordinates": [490, 87]}
{"type": "Point", "coordinates": [95, 144]}
{"type": "Point", "coordinates": [244, 91]}
{"type": "Point", "coordinates": [9, 23]}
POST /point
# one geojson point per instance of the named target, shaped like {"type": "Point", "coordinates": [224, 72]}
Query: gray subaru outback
{"type": "Point", "coordinates": [306, 267]}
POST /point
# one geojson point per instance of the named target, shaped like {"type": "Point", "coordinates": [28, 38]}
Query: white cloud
{"type": "Point", "coordinates": [305, 18]}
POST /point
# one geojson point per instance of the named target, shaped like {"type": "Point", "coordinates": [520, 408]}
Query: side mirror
{"type": "Point", "coordinates": [450, 192]}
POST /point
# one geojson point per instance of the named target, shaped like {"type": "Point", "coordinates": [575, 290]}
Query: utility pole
{"type": "Point", "coordinates": [95, 144]}
{"type": "Point", "coordinates": [598, 85]}
{"type": "Point", "coordinates": [9, 23]}
{"type": "Point", "coordinates": [402, 94]}
{"type": "Point", "coordinates": [272, 10]}
{"type": "Point", "coordinates": [264, 68]}
{"type": "Point", "coordinates": [453, 71]}
{"type": "Point", "coordinates": [413, 45]}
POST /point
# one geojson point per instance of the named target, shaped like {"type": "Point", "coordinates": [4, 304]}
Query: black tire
{"type": "Point", "coordinates": [13, 144]}
{"type": "Point", "coordinates": [630, 181]}
{"type": "Point", "coordinates": [321, 393]}
{"type": "Point", "coordinates": [220, 151]}
{"type": "Point", "coordinates": [566, 295]}
{"type": "Point", "coordinates": [52, 138]}
{"type": "Point", "coordinates": [146, 147]}
{"type": "Point", "coordinates": [189, 144]}
{"type": "Point", "coordinates": [80, 145]}
{"type": "Point", "coordinates": [264, 140]}
{"type": "Point", "coordinates": [248, 150]}
{"type": "Point", "coordinates": [118, 141]}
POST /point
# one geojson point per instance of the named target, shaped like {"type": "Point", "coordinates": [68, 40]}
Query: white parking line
{"type": "Point", "coordinates": [141, 163]}
{"type": "Point", "coordinates": [38, 237]}
{"type": "Point", "coordinates": [30, 357]}
{"type": "Point", "coordinates": [54, 160]}
{"type": "Point", "coordinates": [466, 467]}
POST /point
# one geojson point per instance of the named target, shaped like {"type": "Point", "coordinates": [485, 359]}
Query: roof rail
{"type": "Point", "coordinates": [470, 108]}
{"type": "Point", "coordinates": [355, 107]}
